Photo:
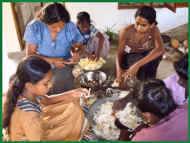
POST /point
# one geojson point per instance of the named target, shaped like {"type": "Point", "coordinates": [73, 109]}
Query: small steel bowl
{"type": "Point", "coordinates": [92, 79]}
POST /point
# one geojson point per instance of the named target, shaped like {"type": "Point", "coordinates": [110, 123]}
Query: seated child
{"type": "Point", "coordinates": [97, 44]}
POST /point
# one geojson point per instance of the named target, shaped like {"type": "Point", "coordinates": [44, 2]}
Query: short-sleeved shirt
{"type": "Point", "coordinates": [38, 33]}
{"type": "Point", "coordinates": [178, 92]}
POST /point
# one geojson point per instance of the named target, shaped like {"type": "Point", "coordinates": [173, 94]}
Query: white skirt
{"type": "Point", "coordinates": [93, 44]}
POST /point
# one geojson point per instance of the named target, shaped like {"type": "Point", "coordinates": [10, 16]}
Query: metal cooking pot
{"type": "Point", "coordinates": [92, 79]}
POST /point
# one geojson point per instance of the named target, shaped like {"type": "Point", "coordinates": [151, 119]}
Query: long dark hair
{"type": "Point", "coordinates": [155, 97]}
{"type": "Point", "coordinates": [181, 67]}
{"type": "Point", "coordinates": [148, 13]}
{"type": "Point", "coordinates": [54, 13]}
{"type": "Point", "coordinates": [32, 69]}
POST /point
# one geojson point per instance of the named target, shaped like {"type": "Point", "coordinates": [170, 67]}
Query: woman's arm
{"type": "Point", "coordinates": [100, 45]}
{"type": "Point", "coordinates": [155, 53]}
{"type": "Point", "coordinates": [119, 57]}
{"type": "Point", "coordinates": [76, 51]}
{"type": "Point", "coordinates": [31, 49]}
{"type": "Point", "coordinates": [68, 96]}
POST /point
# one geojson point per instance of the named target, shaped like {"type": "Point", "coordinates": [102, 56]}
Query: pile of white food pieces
{"type": "Point", "coordinates": [105, 121]}
{"type": "Point", "coordinates": [130, 116]}
{"type": "Point", "coordinates": [88, 64]}
{"type": "Point", "coordinates": [105, 126]}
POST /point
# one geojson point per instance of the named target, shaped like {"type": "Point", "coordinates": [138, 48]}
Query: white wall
{"type": "Point", "coordinates": [10, 44]}
{"type": "Point", "coordinates": [107, 14]}
{"type": "Point", "coordinates": [9, 68]}
{"type": "Point", "coordinates": [10, 38]}
{"type": "Point", "coordinates": [103, 15]}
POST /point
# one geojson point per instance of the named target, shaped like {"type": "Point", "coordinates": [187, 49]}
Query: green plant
{"type": "Point", "coordinates": [113, 36]}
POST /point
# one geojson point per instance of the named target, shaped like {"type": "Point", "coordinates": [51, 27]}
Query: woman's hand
{"type": "Point", "coordinates": [76, 47]}
{"type": "Point", "coordinates": [97, 57]}
{"type": "Point", "coordinates": [75, 57]}
{"type": "Point", "coordinates": [58, 62]}
{"type": "Point", "coordinates": [132, 71]}
{"type": "Point", "coordinates": [118, 79]}
{"type": "Point", "coordinates": [80, 92]}
{"type": "Point", "coordinates": [94, 57]}
{"type": "Point", "coordinates": [91, 56]}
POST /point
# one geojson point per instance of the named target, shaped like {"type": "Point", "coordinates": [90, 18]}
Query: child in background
{"type": "Point", "coordinates": [177, 82]}
{"type": "Point", "coordinates": [97, 44]}
{"type": "Point", "coordinates": [22, 111]}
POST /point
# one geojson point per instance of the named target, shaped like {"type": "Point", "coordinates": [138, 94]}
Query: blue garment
{"type": "Point", "coordinates": [27, 105]}
{"type": "Point", "coordinates": [38, 33]}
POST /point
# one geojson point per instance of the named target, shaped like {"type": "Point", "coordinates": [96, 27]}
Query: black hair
{"type": "Point", "coordinates": [181, 67]}
{"type": "Point", "coordinates": [32, 69]}
{"type": "Point", "coordinates": [155, 97]}
{"type": "Point", "coordinates": [12, 78]}
{"type": "Point", "coordinates": [54, 13]}
{"type": "Point", "coordinates": [83, 17]}
{"type": "Point", "coordinates": [148, 13]}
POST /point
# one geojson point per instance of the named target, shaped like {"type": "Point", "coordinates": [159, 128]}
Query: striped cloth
{"type": "Point", "coordinates": [27, 105]}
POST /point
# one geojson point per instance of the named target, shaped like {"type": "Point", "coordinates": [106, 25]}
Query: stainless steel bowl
{"type": "Point", "coordinates": [93, 79]}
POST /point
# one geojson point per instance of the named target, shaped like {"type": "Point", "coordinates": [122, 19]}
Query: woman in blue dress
{"type": "Point", "coordinates": [51, 36]}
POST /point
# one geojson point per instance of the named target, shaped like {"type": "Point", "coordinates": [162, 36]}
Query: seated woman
{"type": "Point", "coordinates": [97, 44]}
{"type": "Point", "coordinates": [177, 82]}
{"type": "Point", "coordinates": [51, 36]}
{"type": "Point", "coordinates": [25, 118]}
{"type": "Point", "coordinates": [140, 47]}
{"type": "Point", "coordinates": [165, 121]}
